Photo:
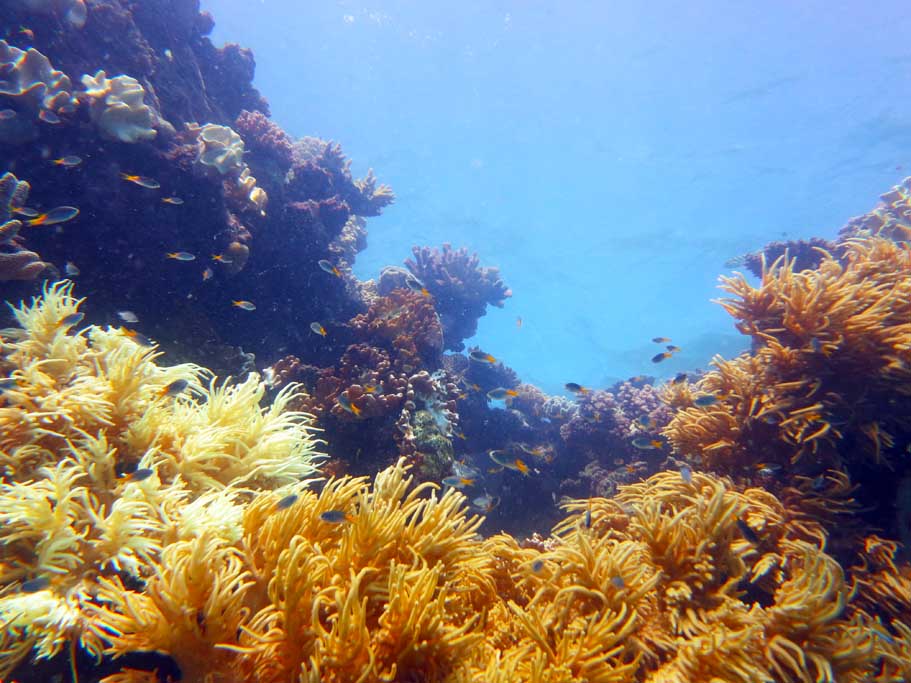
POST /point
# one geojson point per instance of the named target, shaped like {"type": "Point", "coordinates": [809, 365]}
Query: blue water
{"type": "Point", "coordinates": [608, 158]}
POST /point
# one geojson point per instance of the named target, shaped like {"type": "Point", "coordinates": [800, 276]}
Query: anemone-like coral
{"type": "Point", "coordinates": [461, 288]}
{"type": "Point", "coordinates": [116, 106]}
{"type": "Point", "coordinates": [221, 148]}
{"type": "Point", "coordinates": [112, 465]}
{"type": "Point", "coordinates": [16, 262]}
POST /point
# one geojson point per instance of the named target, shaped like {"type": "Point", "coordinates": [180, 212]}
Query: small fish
{"type": "Point", "coordinates": [286, 502]}
{"type": "Point", "coordinates": [658, 357]}
{"type": "Point", "coordinates": [328, 267]}
{"type": "Point", "coordinates": [28, 33]}
{"type": "Point", "coordinates": [142, 181]}
{"type": "Point", "coordinates": [672, 348]}
{"type": "Point", "coordinates": [457, 482]}
{"type": "Point", "coordinates": [460, 435]}
{"type": "Point", "coordinates": [48, 116]}
{"type": "Point", "coordinates": [244, 305]}
{"type": "Point", "coordinates": [35, 585]}
{"type": "Point", "coordinates": [645, 443]}
{"type": "Point", "coordinates": [71, 269]}
{"type": "Point", "coordinates": [646, 422]}
{"type": "Point", "coordinates": [537, 451]}
{"type": "Point", "coordinates": [619, 461]}
{"type": "Point", "coordinates": [705, 400]}
{"type": "Point", "coordinates": [465, 471]}
{"type": "Point", "coordinates": [67, 161]}
{"type": "Point", "coordinates": [520, 466]}
{"type": "Point", "coordinates": [72, 319]}
{"type": "Point", "coordinates": [819, 483]}
{"type": "Point", "coordinates": [501, 394]}
{"type": "Point", "coordinates": [486, 503]}
{"type": "Point", "coordinates": [7, 114]}
{"type": "Point", "coordinates": [7, 383]}
{"type": "Point", "coordinates": [747, 532]}
{"type": "Point", "coordinates": [174, 388]}
{"type": "Point", "coordinates": [482, 357]}
{"type": "Point", "coordinates": [207, 274]}
{"type": "Point", "coordinates": [767, 467]}
{"type": "Point", "coordinates": [679, 378]}
{"type": "Point", "coordinates": [415, 285]}
{"type": "Point", "coordinates": [180, 256]}
{"type": "Point", "coordinates": [141, 474]}
{"type": "Point", "coordinates": [175, 201]}
{"type": "Point", "coordinates": [138, 337]}
{"type": "Point", "coordinates": [336, 516]}
{"type": "Point", "coordinates": [686, 474]}
{"type": "Point", "coordinates": [618, 582]}
{"type": "Point", "coordinates": [661, 340]}
{"type": "Point", "coordinates": [221, 258]}
{"type": "Point", "coordinates": [128, 317]}
{"type": "Point", "coordinates": [61, 214]}
{"type": "Point", "coordinates": [575, 388]}
{"type": "Point", "coordinates": [318, 329]}
{"type": "Point", "coordinates": [369, 387]}
{"type": "Point", "coordinates": [519, 322]}
{"type": "Point", "coordinates": [168, 54]}
{"type": "Point", "coordinates": [346, 404]}
{"type": "Point", "coordinates": [26, 211]}
{"type": "Point", "coordinates": [537, 566]}
{"type": "Point", "coordinates": [587, 519]}
{"type": "Point", "coordinates": [508, 461]}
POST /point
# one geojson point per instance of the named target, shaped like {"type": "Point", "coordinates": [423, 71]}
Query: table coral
{"type": "Point", "coordinates": [461, 288]}
{"type": "Point", "coordinates": [88, 411]}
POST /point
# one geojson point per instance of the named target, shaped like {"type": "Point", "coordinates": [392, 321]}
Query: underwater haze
{"type": "Point", "coordinates": [609, 157]}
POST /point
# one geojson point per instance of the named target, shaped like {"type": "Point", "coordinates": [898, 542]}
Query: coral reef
{"type": "Point", "coordinates": [112, 465]}
{"type": "Point", "coordinates": [461, 288]}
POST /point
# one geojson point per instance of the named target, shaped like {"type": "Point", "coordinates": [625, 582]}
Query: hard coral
{"type": "Point", "coordinates": [109, 473]}
{"type": "Point", "coordinates": [265, 138]}
{"type": "Point", "coordinates": [461, 288]}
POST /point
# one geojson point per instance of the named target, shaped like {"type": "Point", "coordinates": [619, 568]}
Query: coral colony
{"type": "Point", "coordinates": [325, 508]}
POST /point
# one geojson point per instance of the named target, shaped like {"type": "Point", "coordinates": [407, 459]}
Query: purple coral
{"type": "Point", "coordinates": [461, 288]}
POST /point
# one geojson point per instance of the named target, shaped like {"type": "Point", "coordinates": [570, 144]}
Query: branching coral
{"type": "Point", "coordinates": [461, 288]}
{"type": "Point", "coordinates": [109, 467]}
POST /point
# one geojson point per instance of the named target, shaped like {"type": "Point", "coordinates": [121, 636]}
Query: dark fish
{"type": "Point", "coordinates": [747, 532]}
{"type": "Point", "coordinates": [575, 388]}
{"type": "Point", "coordinates": [286, 502]}
{"type": "Point", "coordinates": [537, 566]}
{"type": "Point", "coordinates": [141, 474]}
{"type": "Point", "coordinates": [336, 516]}
{"type": "Point", "coordinates": [346, 404]}
{"type": "Point", "coordinates": [482, 357]}
{"type": "Point", "coordinates": [7, 383]}
{"type": "Point", "coordinates": [658, 357]}
{"type": "Point", "coordinates": [644, 443]}
{"type": "Point", "coordinates": [139, 338]}
{"type": "Point", "coordinates": [35, 585]}
{"type": "Point", "coordinates": [174, 388]}
{"type": "Point", "coordinates": [587, 519]}
{"type": "Point", "coordinates": [72, 319]}
{"type": "Point", "coordinates": [679, 378]}
{"type": "Point", "coordinates": [672, 348]}
{"type": "Point", "coordinates": [705, 400]}
{"type": "Point", "coordinates": [60, 214]}
{"type": "Point", "coordinates": [661, 340]}
{"type": "Point", "coordinates": [618, 582]}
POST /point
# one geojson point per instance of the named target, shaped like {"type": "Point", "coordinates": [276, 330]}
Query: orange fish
{"type": "Point", "coordinates": [657, 358]}
{"type": "Point", "coordinates": [346, 403]}
{"type": "Point", "coordinates": [221, 258]}
{"type": "Point", "coordinates": [244, 305]}
{"type": "Point", "coordinates": [207, 274]}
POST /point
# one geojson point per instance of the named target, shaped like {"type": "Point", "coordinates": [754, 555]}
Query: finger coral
{"type": "Point", "coordinates": [111, 463]}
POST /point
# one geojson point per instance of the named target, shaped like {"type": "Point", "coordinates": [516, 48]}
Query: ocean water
{"type": "Point", "coordinates": [198, 355]}
{"type": "Point", "coordinates": [609, 157]}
